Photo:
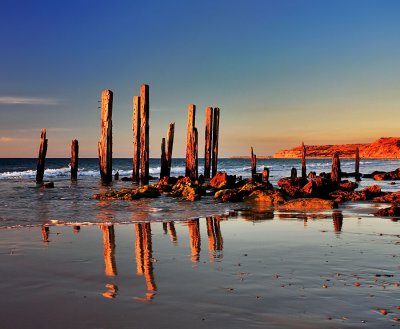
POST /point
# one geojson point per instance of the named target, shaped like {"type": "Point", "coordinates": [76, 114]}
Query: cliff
{"type": "Point", "coordinates": [383, 148]}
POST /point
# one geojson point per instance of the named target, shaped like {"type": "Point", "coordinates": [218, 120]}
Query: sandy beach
{"type": "Point", "coordinates": [252, 269]}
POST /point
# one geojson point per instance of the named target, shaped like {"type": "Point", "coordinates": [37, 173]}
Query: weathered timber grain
{"type": "Point", "coordinates": [170, 146]}
{"type": "Point", "coordinates": [303, 161]}
{"type": "Point", "coordinates": [215, 137]}
{"type": "Point", "coordinates": [253, 159]}
{"type": "Point", "coordinates": [105, 142]}
{"type": "Point", "coordinates": [163, 162]}
{"type": "Point", "coordinates": [208, 142]}
{"type": "Point", "coordinates": [74, 159]}
{"type": "Point", "coordinates": [357, 165]}
{"type": "Point", "coordinates": [144, 134]}
{"type": "Point", "coordinates": [191, 171]}
{"type": "Point", "coordinates": [336, 173]}
{"type": "Point", "coordinates": [136, 139]}
{"type": "Point", "coordinates": [41, 157]}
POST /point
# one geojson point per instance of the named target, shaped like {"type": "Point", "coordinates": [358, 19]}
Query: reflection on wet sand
{"type": "Point", "coordinates": [144, 261]}
{"type": "Point", "coordinates": [195, 242]}
{"type": "Point", "coordinates": [337, 217]}
{"type": "Point", "coordinates": [172, 232]}
{"type": "Point", "coordinates": [109, 250]}
{"type": "Point", "coordinates": [45, 234]}
{"type": "Point", "coordinates": [215, 241]}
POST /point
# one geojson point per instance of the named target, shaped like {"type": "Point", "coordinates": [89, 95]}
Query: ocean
{"type": "Point", "coordinates": [22, 203]}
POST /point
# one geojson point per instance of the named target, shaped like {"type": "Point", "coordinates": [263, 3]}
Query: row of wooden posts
{"type": "Point", "coordinates": [141, 149]}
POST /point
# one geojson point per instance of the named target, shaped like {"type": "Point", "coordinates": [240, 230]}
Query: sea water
{"type": "Point", "coordinates": [22, 203]}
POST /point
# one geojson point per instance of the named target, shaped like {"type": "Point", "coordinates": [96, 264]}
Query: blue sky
{"type": "Point", "coordinates": [281, 71]}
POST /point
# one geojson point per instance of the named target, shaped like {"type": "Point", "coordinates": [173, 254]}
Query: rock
{"type": "Point", "coordinates": [312, 174]}
{"type": "Point", "coordinates": [48, 185]}
{"type": "Point", "coordinates": [292, 187]}
{"type": "Point", "coordinates": [249, 187]}
{"type": "Point", "coordinates": [372, 191]}
{"type": "Point", "coordinates": [272, 197]}
{"type": "Point", "coordinates": [388, 197]}
{"type": "Point", "coordinates": [186, 189]}
{"type": "Point", "coordinates": [126, 179]}
{"type": "Point", "coordinates": [228, 195]}
{"type": "Point", "coordinates": [347, 185]}
{"type": "Point", "coordinates": [146, 191]}
{"type": "Point", "coordinates": [223, 181]}
{"type": "Point", "coordinates": [391, 175]}
{"type": "Point", "coordinates": [393, 211]}
{"type": "Point", "coordinates": [310, 203]}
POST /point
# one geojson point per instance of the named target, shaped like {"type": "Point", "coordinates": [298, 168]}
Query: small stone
{"type": "Point", "coordinates": [383, 312]}
{"type": "Point", "coordinates": [357, 284]}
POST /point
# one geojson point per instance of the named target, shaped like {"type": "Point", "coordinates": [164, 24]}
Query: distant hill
{"type": "Point", "coordinates": [383, 148]}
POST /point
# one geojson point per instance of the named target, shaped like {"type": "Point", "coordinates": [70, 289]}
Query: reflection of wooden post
{"type": "Point", "coordinates": [303, 161]}
{"type": "Point", "coordinates": [42, 157]}
{"type": "Point", "coordinates": [170, 145]}
{"type": "Point", "coordinates": [357, 165]}
{"type": "Point", "coordinates": [144, 255]}
{"type": "Point", "coordinates": [208, 142]}
{"type": "Point", "coordinates": [191, 147]}
{"type": "Point", "coordinates": [337, 217]}
{"type": "Point", "coordinates": [215, 137]}
{"type": "Point", "coordinates": [45, 234]}
{"type": "Point", "coordinates": [136, 139]}
{"type": "Point", "coordinates": [163, 162]}
{"type": "Point", "coordinates": [336, 173]}
{"type": "Point", "coordinates": [194, 233]}
{"type": "Point", "coordinates": [109, 249]}
{"type": "Point", "coordinates": [74, 160]}
{"type": "Point", "coordinates": [172, 232]}
{"type": "Point", "coordinates": [105, 142]}
{"type": "Point", "coordinates": [144, 134]}
{"type": "Point", "coordinates": [253, 163]}
{"type": "Point", "coordinates": [211, 237]}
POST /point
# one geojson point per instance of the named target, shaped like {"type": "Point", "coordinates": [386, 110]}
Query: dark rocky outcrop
{"type": "Point", "coordinates": [393, 211]}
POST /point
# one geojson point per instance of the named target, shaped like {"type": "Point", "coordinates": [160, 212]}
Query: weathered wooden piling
{"type": "Point", "coordinates": [105, 143]}
{"type": "Point", "coordinates": [163, 163]}
{"type": "Point", "coordinates": [42, 157]}
{"type": "Point", "coordinates": [74, 159]}
{"type": "Point", "coordinates": [144, 134]}
{"type": "Point", "coordinates": [170, 146]}
{"type": "Point", "coordinates": [191, 147]}
{"type": "Point", "coordinates": [293, 173]}
{"type": "Point", "coordinates": [208, 142]}
{"type": "Point", "coordinates": [303, 160]}
{"type": "Point", "coordinates": [253, 159]}
{"type": "Point", "coordinates": [265, 175]}
{"type": "Point", "coordinates": [357, 165]}
{"type": "Point", "coordinates": [215, 136]}
{"type": "Point", "coordinates": [336, 173]}
{"type": "Point", "coordinates": [136, 139]}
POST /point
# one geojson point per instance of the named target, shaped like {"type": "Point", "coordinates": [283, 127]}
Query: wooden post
{"type": "Point", "coordinates": [253, 163]}
{"type": "Point", "coordinates": [191, 147]}
{"type": "Point", "coordinates": [196, 153]}
{"type": "Point", "coordinates": [265, 175]}
{"type": "Point", "coordinates": [170, 145]}
{"type": "Point", "coordinates": [357, 165]}
{"type": "Point", "coordinates": [303, 161]}
{"type": "Point", "coordinates": [335, 173]}
{"type": "Point", "coordinates": [215, 142]}
{"type": "Point", "coordinates": [208, 142]}
{"type": "Point", "coordinates": [136, 139]}
{"type": "Point", "coordinates": [293, 173]}
{"type": "Point", "coordinates": [41, 157]}
{"type": "Point", "coordinates": [105, 143]}
{"type": "Point", "coordinates": [144, 134]}
{"type": "Point", "coordinates": [74, 160]}
{"type": "Point", "coordinates": [163, 164]}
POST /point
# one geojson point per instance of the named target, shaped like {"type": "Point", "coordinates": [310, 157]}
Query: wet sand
{"type": "Point", "coordinates": [254, 269]}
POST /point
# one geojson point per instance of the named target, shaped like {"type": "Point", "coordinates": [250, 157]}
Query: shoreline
{"type": "Point", "coordinates": [253, 268]}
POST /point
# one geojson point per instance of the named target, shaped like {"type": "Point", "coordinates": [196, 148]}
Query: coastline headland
{"type": "Point", "coordinates": [383, 148]}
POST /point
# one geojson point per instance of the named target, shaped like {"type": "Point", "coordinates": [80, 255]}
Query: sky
{"type": "Point", "coordinates": [281, 71]}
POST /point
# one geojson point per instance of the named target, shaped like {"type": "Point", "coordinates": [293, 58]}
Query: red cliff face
{"type": "Point", "coordinates": [383, 148]}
